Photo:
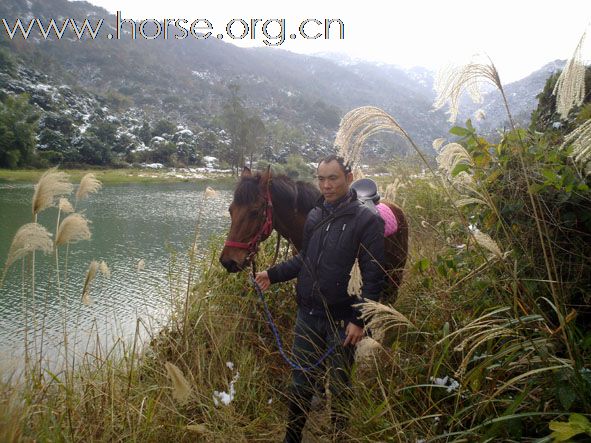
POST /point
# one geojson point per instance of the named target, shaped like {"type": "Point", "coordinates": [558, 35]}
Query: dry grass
{"type": "Point", "coordinates": [181, 388]}
{"type": "Point", "coordinates": [90, 276]}
{"type": "Point", "coordinates": [453, 81]}
{"type": "Point", "coordinates": [570, 87]}
{"type": "Point", "coordinates": [580, 140]}
{"type": "Point", "coordinates": [88, 185]}
{"type": "Point", "coordinates": [51, 185]}
{"type": "Point", "coordinates": [64, 205]}
{"type": "Point", "coordinates": [452, 155]}
{"type": "Point", "coordinates": [360, 124]}
{"type": "Point", "coordinates": [30, 237]}
{"type": "Point", "coordinates": [72, 229]}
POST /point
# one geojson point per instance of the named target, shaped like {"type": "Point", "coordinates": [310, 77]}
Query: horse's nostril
{"type": "Point", "coordinates": [229, 264]}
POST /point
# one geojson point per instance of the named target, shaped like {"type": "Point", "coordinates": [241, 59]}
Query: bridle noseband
{"type": "Point", "coordinates": [263, 233]}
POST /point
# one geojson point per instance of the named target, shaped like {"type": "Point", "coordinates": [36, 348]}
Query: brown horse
{"type": "Point", "coordinates": [263, 203]}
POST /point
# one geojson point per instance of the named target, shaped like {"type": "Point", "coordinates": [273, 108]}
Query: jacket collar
{"type": "Point", "coordinates": [343, 206]}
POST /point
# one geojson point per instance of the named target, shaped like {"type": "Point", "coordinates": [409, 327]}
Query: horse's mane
{"type": "Point", "coordinates": [247, 190]}
{"type": "Point", "coordinates": [308, 195]}
{"type": "Point", "coordinates": [303, 194]}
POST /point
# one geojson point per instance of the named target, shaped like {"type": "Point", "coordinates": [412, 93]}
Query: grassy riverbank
{"type": "Point", "coordinates": [118, 175]}
{"type": "Point", "coordinates": [488, 340]}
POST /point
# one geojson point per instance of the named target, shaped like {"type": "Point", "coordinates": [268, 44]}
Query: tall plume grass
{"type": "Point", "coordinates": [90, 276]}
{"type": "Point", "coordinates": [382, 317]}
{"type": "Point", "coordinates": [64, 205]}
{"type": "Point", "coordinates": [89, 184]}
{"type": "Point", "coordinates": [181, 388]}
{"type": "Point", "coordinates": [360, 124]}
{"type": "Point", "coordinates": [104, 269]}
{"type": "Point", "coordinates": [488, 243]}
{"type": "Point", "coordinates": [570, 87]}
{"type": "Point", "coordinates": [52, 184]}
{"type": "Point", "coordinates": [453, 81]}
{"type": "Point", "coordinates": [72, 229]}
{"type": "Point", "coordinates": [391, 190]}
{"type": "Point", "coordinates": [452, 155]}
{"type": "Point", "coordinates": [450, 85]}
{"type": "Point", "coordinates": [580, 140]}
{"type": "Point", "coordinates": [29, 238]}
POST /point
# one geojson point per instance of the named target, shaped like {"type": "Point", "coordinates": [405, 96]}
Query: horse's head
{"type": "Point", "coordinates": [252, 220]}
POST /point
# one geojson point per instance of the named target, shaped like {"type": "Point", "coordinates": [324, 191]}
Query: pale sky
{"type": "Point", "coordinates": [519, 35]}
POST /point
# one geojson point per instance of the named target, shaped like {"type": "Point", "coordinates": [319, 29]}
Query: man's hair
{"type": "Point", "coordinates": [345, 167]}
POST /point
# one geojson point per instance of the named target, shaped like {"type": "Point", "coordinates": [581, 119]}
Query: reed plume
{"type": "Point", "coordinates": [570, 87]}
{"type": "Point", "coordinates": [104, 269]}
{"type": "Point", "coordinates": [73, 228]}
{"type": "Point", "coordinates": [359, 124]}
{"type": "Point", "coordinates": [52, 183]}
{"type": "Point", "coordinates": [355, 282]}
{"type": "Point", "coordinates": [381, 317]}
{"type": "Point", "coordinates": [64, 205]}
{"type": "Point", "coordinates": [479, 115]}
{"type": "Point", "coordinates": [366, 348]}
{"type": "Point", "coordinates": [452, 155]}
{"type": "Point", "coordinates": [452, 81]}
{"type": "Point", "coordinates": [210, 192]}
{"type": "Point", "coordinates": [89, 184]}
{"type": "Point", "coordinates": [90, 275]}
{"type": "Point", "coordinates": [30, 237]}
{"type": "Point", "coordinates": [487, 243]}
{"type": "Point", "coordinates": [181, 388]}
{"type": "Point", "coordinates": [469, 201]}
{"type": "Point", "coordinates": [437, 143]}
{"type": "Point", "coordinates": [392, 190]}
{"type": "Point", "coordinates": [580, 140]}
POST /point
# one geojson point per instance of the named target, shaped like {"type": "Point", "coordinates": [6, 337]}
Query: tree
{"type": "Point", "coordinates": [18, 128]}
{"type": "Point", "coordinates": [6, 62]}
{"type": "Point", "coordinates": [246, 130]}
{"type": "Point", "coordinates": [145, 133]}
{"type": "Point", "coordinates": [163, 127]}
{"type": "Point", "coordinates": [233, 118]}
{"type": "Point", "coordinates": [253, 134]}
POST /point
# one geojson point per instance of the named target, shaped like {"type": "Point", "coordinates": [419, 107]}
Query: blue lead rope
{"type": "Point", "coordinates": [271, 324]}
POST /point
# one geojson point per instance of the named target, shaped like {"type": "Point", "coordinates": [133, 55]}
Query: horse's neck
{"type": "Point", "coordinates": [290, 224]}
{"type": "Point", "coordinates": [289, 221]}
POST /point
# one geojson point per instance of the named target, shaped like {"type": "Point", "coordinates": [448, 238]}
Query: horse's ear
{"type": "Point", "coordinates": [246, 172]}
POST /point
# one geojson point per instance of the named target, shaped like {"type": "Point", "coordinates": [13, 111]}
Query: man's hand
{"type": "Point", "coordinates": [262, 279]}
{"type": "Point", "coordinates": [354, 334]}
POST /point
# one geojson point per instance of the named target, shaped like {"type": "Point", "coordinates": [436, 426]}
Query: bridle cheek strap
{"type": "Point", "coordinates": [253, 245]}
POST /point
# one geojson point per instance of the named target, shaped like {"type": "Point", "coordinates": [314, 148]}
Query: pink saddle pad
{"type": "Point", "coordinates": [390, 222]}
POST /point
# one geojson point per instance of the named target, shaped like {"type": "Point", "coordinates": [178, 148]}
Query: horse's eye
{"type": "Point", "coordinates": [254, 213]}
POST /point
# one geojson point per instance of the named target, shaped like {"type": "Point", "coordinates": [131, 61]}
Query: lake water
{"type": "Point", "coordinates": [130, 222]}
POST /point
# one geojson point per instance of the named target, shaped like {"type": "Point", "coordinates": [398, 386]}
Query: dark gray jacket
{"type": "Point", "coordinates": [332, 242]}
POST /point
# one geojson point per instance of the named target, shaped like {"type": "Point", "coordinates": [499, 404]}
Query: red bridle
{"type": "Point", "coordinates": [263, 233]}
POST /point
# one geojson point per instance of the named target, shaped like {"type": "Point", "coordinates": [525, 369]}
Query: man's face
{"type": "Point", "coordinates": [332, 181]}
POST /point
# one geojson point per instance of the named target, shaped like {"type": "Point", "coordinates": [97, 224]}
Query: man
{"type": "Point", "coordinates": [337, 231]}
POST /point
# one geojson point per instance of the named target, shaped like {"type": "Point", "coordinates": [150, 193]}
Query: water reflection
{"type": "Point", "coordinates": [131, 222]}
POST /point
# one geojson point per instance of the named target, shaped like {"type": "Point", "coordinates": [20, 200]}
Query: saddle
{"type": "Point", "coordinates": [367, 193]}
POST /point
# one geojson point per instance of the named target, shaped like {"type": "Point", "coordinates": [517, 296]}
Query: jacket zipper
{"type": "Point", "coordinates": [322, 244]}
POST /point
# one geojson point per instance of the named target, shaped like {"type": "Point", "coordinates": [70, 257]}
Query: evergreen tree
{"type": "Point", "coordinates": [18, 128]}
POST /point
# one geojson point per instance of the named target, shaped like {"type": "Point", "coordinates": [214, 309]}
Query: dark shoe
{"type": "Point", "coordinates": [296, 419]}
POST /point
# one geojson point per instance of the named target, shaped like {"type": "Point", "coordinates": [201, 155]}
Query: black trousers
{"type": "Point", "coordinates": [314, 335]}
